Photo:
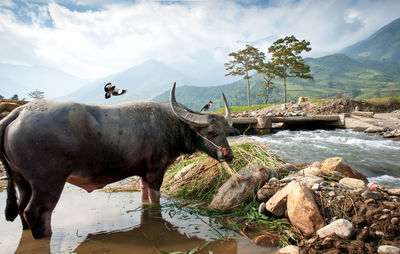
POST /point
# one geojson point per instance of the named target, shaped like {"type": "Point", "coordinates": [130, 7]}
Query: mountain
{"type": "Point", "coordinates": [382, 46]}
{"type": "Point", "coordinates": [143, 82]}
{"type": "Point", "coordinates": [366, 69]}
{"type": "Point", "coordinates": [20, 80]}
{"type": "Point", "coordinates": [333, 75]}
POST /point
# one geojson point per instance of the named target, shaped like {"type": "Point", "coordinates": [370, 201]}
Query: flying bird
{"type": "Point", "coordinates": [207, 106]}
{"type": "Point", "coordinates": [111, 90]}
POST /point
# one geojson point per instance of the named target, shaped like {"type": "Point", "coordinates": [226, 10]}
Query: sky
{"type": "Point", "coordinates": [95, 38]}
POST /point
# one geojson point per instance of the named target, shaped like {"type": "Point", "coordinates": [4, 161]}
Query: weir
{"type": "Point", "coordinates": [262, 125]}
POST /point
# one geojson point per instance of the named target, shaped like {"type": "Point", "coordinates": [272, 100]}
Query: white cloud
{"type": "Point", "coordinates": [113, 37]}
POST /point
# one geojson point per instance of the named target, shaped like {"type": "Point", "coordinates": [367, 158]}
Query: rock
{"type": "Point", "coordinates": [388, 249]}
{"type": "Point", "coordinates": [395, 192]}
{"type": "Point", "coordinates": [261, 208]}
{"type": "Point", "coordinates": [337, 164]}
{"type": "Point", "coordinates": [375, 195]}
{"type": "Point", "coordinates": [290, 249]}
{"type": "Point", "coordinates": [394, 221]}
{"type": "Point", "coordinates": [312, 171]}
{"type": "Point", "coordinates": [315, 187]}
{"type": "Point", "coordinates": [268, 190]}
{"type": "Point", "coordinates": [277, 203]}
{"type": "Point", "coordinates": [267, 240]}
{"type": "Point", "coordinates": [302, 210]}
{"type": "Point", "coordinates": [353, 183]}
{"type": "Point", "coordinates": [309, 181]}
{"type": "Point", "coordinates": [233, 191]}
{"type": "Point", "coordinates": [374, 129]}
{"type": "Point", "coordinates": [341, 227]}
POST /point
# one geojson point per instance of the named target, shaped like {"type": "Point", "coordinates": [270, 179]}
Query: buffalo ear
{"type": "Point", "coordinates": [185, 114]}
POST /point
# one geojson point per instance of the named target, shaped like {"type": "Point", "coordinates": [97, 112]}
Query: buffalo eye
{"type": "Point", "coordinates": [212, 134]}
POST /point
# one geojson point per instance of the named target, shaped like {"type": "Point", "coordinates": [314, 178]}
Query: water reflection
{"type": "Point", "coordinates": [116, 223]}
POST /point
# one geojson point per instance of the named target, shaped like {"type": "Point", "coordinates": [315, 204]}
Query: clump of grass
{"type": "Point", "coordinates": [201, 181]}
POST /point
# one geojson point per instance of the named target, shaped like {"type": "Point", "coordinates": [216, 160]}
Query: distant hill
{"type": "Point", "coordinates": [143, 82]}
{"type": "Point", "coordinates": [367, 69]}
{"type": "Point", "coordinates": [333, 75]}
{"type": "Point", "coordinates": [17, 79]}
{"type": "Point", "coordinates": [382, 46]}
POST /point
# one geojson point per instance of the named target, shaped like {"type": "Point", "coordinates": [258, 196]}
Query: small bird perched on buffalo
{"type": "Point", "coordinates": [111, 90]}
{"type": "Point", "coordinates": [207, 106]}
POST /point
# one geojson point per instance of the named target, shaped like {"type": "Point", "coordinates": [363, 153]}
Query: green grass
{"type": "Point", "coordinates": [244, 108]}
{"type": "Point", "coordinates": [201, 184]}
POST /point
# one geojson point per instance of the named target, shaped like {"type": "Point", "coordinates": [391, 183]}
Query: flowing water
{"type": "Point", "coordinates": [100, 222]}
{"type": "Point", "coordinates": [370, 154]}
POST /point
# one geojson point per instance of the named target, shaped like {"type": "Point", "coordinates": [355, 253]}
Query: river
{"type": "Point", "coordinates": [101, 222]}
{"type": "Point", "coordinates": [375, 157]}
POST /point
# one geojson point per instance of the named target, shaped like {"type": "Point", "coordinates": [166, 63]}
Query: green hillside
{"type": "Point", "coordinates": [333, 75]}
{"type": "Point", "coordinates": [367, 69]}
{"type": "Point", "coordinates": [383, 46]}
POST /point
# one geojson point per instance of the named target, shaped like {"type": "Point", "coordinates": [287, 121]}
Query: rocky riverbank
{"type": "Point", "coordinates": [329, 207]}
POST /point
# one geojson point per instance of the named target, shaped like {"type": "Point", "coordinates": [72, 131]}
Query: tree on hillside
{"type": "Point", "coordinates": [14, 97]}
{"type": "Point", "coordinates": [1, 96]}
{"type": "Point", "coordinates": [244, 60]}
{"type": "Point", "coordinates": [36, 94]}
{"type": "Point", "coordinates": [268, 73]}
{"type": "Point", "coordinates": [287, 60]}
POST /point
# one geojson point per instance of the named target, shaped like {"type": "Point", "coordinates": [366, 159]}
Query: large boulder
{"type": "Point", "coordinates": [303, 212]}
{"type": "Point", "coordinates": [336, 164]}
{"type": "Point", "coordinates": [233, 191]}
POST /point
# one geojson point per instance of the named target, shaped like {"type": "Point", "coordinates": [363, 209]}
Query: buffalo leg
{"type": "Point", "coordinates": [25, 194]}
{"type": "Point", "coordinates": [39, 210]}
{"type": "Point", "coordinates": [154, 182]}
{"type": "Point", "coordinates": [145, 190]}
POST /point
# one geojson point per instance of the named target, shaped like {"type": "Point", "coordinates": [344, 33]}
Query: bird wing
{"type": "Point", "coordinates": [107, 95]}
{"type": "Point", "coordinates": [107, 87]}
{"type": "Point", "coordinates": [118, 91]}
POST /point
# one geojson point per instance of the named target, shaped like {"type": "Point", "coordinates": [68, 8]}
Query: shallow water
{"type": "Point", "coordinates": [372, 155]}
{"type": "Point", "coordinates": [100, 222]}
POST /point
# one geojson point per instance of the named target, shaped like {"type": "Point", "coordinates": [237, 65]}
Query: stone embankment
{"type": "Point", "coordinates": [359, 115]}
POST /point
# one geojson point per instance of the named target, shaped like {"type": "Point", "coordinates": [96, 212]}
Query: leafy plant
{"type": "Point", "coordinates": [244, 60]}
{"type": "Point", "coordinates": [287, 61]}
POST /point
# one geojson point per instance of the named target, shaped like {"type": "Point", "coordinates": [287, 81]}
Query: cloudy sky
{"type": "Point", "coordinates": [94, 38]}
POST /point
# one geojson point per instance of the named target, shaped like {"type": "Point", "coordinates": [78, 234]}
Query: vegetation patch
{"type": "Point", "coordinates": [197, 179]}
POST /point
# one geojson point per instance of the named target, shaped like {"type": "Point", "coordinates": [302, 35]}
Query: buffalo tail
{"type": "Point", "coordinates": [11, 211]}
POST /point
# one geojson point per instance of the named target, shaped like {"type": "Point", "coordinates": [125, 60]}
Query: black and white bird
{"type": "Point", "coordinates": [111, 90]}
{"type": "Point", "coordinates": [207, 106]}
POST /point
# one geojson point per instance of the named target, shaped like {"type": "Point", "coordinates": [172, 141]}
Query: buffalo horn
{"type": "Point", "coordinates": [184, 114]}
{"type": "Point", "coordinates": [228, 115]}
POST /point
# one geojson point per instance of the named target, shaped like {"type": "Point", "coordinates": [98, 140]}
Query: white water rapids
{"type": "Point", "coordinates": [370, 154]}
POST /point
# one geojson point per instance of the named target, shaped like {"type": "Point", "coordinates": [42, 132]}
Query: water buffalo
{"type": "Point", "coordinates": [46, 143]}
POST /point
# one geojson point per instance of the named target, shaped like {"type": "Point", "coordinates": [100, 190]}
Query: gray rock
{"type": "Point", "coordinates": [309, 181]}
{"type": "Point", "coordinates": [374, 129]}
{"type": "Point", "coordinates": [233, 191]}
{"type": "Point", "coordinates": [341, 227]}
{"type": "Point", "coordinates": [353, 183]}
{"type": "Point", "coordinates": [388, 249]}
{"type": "Point", "coordinates": [375, 195]}
{"type": "Point", "coordinates": [261, 208]}
{"type": "Point", "coordinates": [290, 249]}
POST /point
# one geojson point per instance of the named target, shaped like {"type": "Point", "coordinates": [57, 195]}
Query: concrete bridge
{"type": "Point", "coordinates": [264, 124]}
